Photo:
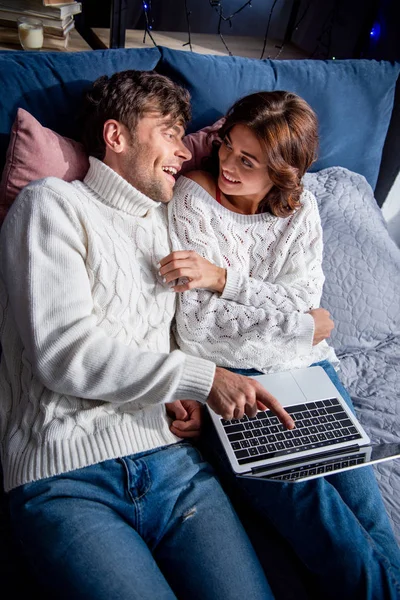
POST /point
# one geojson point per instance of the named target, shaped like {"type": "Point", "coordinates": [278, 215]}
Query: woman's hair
{"type": "Point", "coordinates": [287, 128]}
{"type": "Point", "coordinates": [126, 97]}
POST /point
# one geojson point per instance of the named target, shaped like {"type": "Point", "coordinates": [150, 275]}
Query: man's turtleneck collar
{"type": "Point", "coordinates": [115, 191]}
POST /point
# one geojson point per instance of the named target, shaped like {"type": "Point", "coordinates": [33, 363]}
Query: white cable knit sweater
{"type": "Point", "coordinates": [274, 277]}
{"type": "Point", "coordinates": [85, 328]}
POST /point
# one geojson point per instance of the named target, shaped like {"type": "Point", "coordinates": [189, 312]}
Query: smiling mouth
{"type": "Point", "coordinates": [227, 178]}
{"type": "Point", "coordinates": [171, 172]}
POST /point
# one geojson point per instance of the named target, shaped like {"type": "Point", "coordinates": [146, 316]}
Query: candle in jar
{"type": "Point", "coordinates": [30, 34]}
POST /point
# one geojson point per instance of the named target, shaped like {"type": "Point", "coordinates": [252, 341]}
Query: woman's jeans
{"type": "Point", "coordinates": [152, 526]}
{"type": "Point", "coordinates": [337, 525]}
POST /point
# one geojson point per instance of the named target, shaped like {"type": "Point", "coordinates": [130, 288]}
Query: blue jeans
{"type": "Point", "coordinates": [337, 525]}
{"type": "Point", "coordinates": [152, 526]}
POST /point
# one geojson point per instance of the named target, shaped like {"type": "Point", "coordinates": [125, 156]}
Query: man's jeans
{"type": "Point", "coordinates": [336, 525]}
{"type": "Point", "coordinates": [152, 526]}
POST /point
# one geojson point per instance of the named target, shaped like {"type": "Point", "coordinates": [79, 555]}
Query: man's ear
{"type": "Point", "coordinates": [115, 136]}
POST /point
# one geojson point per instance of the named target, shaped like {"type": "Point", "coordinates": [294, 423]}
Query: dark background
{"type": "Point", "coordinates": [329, 28]}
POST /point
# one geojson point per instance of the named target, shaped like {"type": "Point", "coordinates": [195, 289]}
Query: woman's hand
{"type": "Point", "coordinates": [187, 415]}
{"type": "Point", "coordinates": [323, 324]}
{"type": "Point", "coordinates": [198, 271]}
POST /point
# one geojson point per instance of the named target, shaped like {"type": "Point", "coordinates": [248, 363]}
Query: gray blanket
{"type": "Point", "coordinates": [362, 292]}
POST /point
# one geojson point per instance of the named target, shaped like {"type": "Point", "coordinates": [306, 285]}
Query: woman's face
{"type": "Point", "coordinates": [242, 165]}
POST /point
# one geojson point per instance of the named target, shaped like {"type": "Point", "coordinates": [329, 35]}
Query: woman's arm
{"type": "Point", "coordinates": [209, 326]}
{"type": "Point", "coordinates": [257, 317]}
{"type": "Point", "coordinates": [298, 286]}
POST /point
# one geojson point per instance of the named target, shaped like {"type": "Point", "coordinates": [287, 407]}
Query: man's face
{"type": "Point", "coordinates": [154, 155]}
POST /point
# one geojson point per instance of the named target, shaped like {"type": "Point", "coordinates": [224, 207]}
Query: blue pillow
{"type": "Point", "coordinates": [50, 84]}
{"type": "Point", "coordinates": [352, 98]}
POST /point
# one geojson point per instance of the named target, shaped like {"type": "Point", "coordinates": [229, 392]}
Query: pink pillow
{"type": "Point", "coordinates": [35, 152]}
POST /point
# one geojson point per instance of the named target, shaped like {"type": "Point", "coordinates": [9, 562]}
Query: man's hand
{"type": "Point", "coordinates": [199, 272]}
{"type": "Point", "coordinates": [187, 415]}
{"type": "Point", "coordinates": [232, 396]}
{"type": "Point", "coordinates": [323, 324]}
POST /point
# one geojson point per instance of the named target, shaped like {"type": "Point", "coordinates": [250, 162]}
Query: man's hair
{"type": "Point", "coordinates": [126, 97]}
{"type": "Point", "coordinates": [287, 128]}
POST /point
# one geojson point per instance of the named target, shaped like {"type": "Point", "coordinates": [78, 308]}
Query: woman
{"type": "Point", "coordinates": [247, 244]}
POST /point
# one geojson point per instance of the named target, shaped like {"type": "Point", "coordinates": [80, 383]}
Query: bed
{"type": "Point", "coordinates": [358, 110]}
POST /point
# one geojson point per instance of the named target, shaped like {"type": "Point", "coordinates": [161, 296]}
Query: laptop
{"type": "Point", "coordinates": [327, 438]}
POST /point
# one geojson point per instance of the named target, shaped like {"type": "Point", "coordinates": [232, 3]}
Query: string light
{"type": "Point", "coordinates": [267, 30]}
{"type": "Point", "coordinates": [188, 14]}
{"type": "Point", "coordinates": [148, 20]}
{"type": "Point", "coordinates": [375, 31]}
{"type": "Point", "coordinates": [324, 40]}
{"type": "Point", "coordinates": [217, 5]}
{"type": "Point", "coordinates": [295, 28]}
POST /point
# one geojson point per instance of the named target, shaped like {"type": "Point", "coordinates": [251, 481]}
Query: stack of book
{"type": "Point", "coordinates": [57, 17]}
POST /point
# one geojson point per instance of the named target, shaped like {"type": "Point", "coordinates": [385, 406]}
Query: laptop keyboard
{"type": "Point", "coordinates": [320, 467]}
{"type": "Point", "coordinates": [318, 424]}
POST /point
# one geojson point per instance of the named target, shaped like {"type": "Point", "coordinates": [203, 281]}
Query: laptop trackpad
{"type": "Point", "coordinates": [283, 386]}
{"type": "Point", "coordinates": [315, 383]}
{"type": "Point", "coordinates": [300, 385]}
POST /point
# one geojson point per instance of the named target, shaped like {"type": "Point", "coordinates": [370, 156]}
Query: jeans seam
{"type": "Point", "coordinates": [148, 478]}
{"type": "Point", "coordinates": [139, 497]}
{"type": "Point", "coordinates": [136, 501]}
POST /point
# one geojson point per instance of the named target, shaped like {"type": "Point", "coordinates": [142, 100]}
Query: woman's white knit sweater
{"type": "Point", "coordinates": [85, 323]}
{"type": "Point", "coordinates": [274, 277]}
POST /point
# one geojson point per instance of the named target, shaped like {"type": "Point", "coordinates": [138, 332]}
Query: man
{"type": "Point", "coordinates": [105, 501]}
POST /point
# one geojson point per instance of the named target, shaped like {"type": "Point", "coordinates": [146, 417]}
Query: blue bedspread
{"type": "Point", "coordinates": [362, 292]}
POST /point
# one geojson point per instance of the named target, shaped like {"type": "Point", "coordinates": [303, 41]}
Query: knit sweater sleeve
{"type": "Point", "coordinates": [52, 304]}
{"type": "Point", "coordinates": [254, 323]}
{"type": "Point", "coordinates": [299, 283]}
{"type": "Point", "coordinates": [240, 336]}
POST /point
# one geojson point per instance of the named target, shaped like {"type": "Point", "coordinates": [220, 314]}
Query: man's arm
{"type": "Point", "coordinates": [231, 396]}
{"type": "Point", "coordinates": [43, 254]}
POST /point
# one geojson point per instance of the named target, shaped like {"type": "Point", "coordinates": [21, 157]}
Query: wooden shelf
{"type": "Point", "coordinates": [76, 44]}
{"type": "Point", "coordinates": [250, 47]}
{"type": "Point", "coordinates": [202, 43]}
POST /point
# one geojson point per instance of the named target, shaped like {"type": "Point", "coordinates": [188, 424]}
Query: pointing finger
{"type": "Point", "coordinates": [273, 404]}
